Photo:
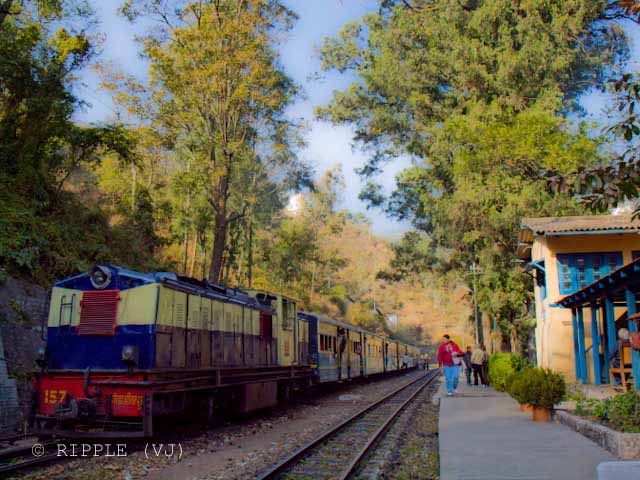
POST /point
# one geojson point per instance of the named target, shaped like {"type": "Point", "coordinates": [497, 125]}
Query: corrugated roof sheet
{"type": "Point", "coordinates": [544, 225]}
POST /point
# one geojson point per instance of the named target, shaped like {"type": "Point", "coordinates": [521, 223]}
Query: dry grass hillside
{"type": "Point", "coordinates": [425, 309]}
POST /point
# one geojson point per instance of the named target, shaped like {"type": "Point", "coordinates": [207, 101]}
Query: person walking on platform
{"type": "Point", "coordinates": [485, 367]}
{"type": "Point", "coordinates": [449, 360]}
{"type": "Point", "coordinates": [467, 364]}
{"type": "Point", "coordinates": [477, 359]}
{"type": "Point", "coordinates": [405, 361]}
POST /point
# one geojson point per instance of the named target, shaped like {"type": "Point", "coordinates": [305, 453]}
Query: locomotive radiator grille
{"type": "Point", "coordinates": [98, 312]}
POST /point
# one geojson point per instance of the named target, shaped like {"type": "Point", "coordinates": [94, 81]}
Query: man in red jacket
{"type": "Point", "coordinates": [449, 359]}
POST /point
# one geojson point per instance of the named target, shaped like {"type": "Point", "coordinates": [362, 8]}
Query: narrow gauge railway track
{"type": "Point", "coordinates": [23, 458]}
{"type": "Point", "coordinates": [337, 453]}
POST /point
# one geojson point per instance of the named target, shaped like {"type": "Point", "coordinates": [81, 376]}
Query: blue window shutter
{"type": "Point", "coordinates": [577, 270]}
{"type": "Point", "coordinates": [565, 279]}
{"type": "Point", "coordinates": [596, 273]}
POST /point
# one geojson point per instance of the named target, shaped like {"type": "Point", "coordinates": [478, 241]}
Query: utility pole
{"type": "Point", "coordinates": [475, 271]}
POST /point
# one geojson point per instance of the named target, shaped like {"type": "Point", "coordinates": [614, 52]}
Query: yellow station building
{"type": "Point", "coordinates": [569, 256]}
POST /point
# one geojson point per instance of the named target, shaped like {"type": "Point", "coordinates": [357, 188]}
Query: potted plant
{"type": "Point", "coordinates": [516, 386]}
{"type": "Point", "coordinates": [542, 389]}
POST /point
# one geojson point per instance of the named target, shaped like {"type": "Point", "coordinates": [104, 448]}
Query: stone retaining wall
{"type": "Point", "coordinates": [9, 410]}
{"type": "Point", "coordinates": [625, 446]}
{"type": "Point", "coordinates": [23, 308]}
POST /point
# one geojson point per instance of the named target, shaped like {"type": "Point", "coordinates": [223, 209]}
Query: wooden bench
{"type": "Point", "coordinates": [624, 349]}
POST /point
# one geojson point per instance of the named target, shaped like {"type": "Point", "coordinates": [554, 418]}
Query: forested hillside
{"type": "Point", "coordinates": [195, 173]}
{"type": "Point", "coordinates": [486, 96]}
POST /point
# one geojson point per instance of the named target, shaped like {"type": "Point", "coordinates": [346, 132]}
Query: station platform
{"type": "Point", "coordinates": [484, 436]}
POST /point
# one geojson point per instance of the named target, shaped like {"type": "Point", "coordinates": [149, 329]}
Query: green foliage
{"type": "Point", "coordinates": [519, 363]}
{"type": "Point", "coordinates": [609, 183]}
{"type": "Point", "coordinates": [45, 231]}
{"type": "Point", "coordinates": [292, 252]}
{"type": "Point", "coordinates": [412, 256]}
{"type": "Point", "coordinates": [218, 96]}
{"type": "Point", "coordinates": [41, 51]}
{"type": "Point", "coordinates": [541, 387]}
{"type": "Point", "coordinates": [500, 370]}
{"type": "Point", "coordinates": [483, 128]}
{"type": "Point", "coordinates": [68, 240]}
{"type": "Point", "coordinates": [516, 385]}
{"type": "Point", "coordinates": [620, 412]}
{"type": "Point", "coordinates": [503, 367]}
{"type": "Point", "coordinates": [415, 69]}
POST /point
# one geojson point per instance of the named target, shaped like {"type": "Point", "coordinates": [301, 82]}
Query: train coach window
{"type": "Point", "coordinates": [327, 343]}
{"type": "Point", "coordinates": [288, 313]}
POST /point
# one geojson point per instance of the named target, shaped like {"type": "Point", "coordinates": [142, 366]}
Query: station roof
{"type": "Point", "coordinates": [612, 286]}
{"type": "Point", "coordinates": [572, 225]}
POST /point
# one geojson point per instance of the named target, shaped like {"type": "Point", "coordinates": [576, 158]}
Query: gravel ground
{"type": "Point", "coordinates": [234, 451]}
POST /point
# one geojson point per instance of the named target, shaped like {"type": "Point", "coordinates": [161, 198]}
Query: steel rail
{"type": "Point", "coordinates": [282, 466]}
{"type": "Point", "coordinates": [12, 467]}
{"type": "Point", "coordinates": [373, 439]}
{"type": "Point", "coordinates": [19, 451]}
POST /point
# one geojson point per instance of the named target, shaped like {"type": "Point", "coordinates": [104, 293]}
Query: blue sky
{"type": "Point", "coordinates": [327, 145]}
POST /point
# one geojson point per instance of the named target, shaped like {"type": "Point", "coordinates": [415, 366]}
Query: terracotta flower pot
{"type": "Point", "coordinates": [526, 408]}
{"type": "Point", "coordinates": [541, 414]}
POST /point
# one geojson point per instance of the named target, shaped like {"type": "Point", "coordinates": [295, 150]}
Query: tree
{"type": "Point", "coordinates": [39, 56]}
{"type": "Point", "coordinates": [476, 93]}
{"type": "Point", "coordinates": [222, 95]}
{"type": "Point", "coordinates": [616, 181]}
{"type": "Point", "coordinates": [412, 256]}
{"type": "Point", "coordinates": [612, 181]}
{"type": "Point", "coordinates": [301, 256]}
{"type": "Point", "coordinates": [417, 65]}
{"type": "Point", "coordinates": [43, 46]}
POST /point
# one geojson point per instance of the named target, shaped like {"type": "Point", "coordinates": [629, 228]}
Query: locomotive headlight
{"type": "Point", "coordinates": [100, 277]}
{"type": "Point", "coordinates": [130, 354]}
{"type": "Point", "coordinates": [41, 357]}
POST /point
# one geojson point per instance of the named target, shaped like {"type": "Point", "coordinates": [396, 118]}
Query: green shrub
{"type": "Point", "coordinates": [620, 412]}
{"type": "Point", "coordinates": [46, 241]}
{"type": "Point", "coordinates": [623, 411]}
{"type": "Point", "coordinates": [519, 363]}
{"type": "Point", "coordinates": [541, 387]}
{"type": "Point", "coordinates": [503, 367]}
{"type": "Point", "coordinates": [516, 384]}
{"type": "Point", "coordinates": [500, 369]}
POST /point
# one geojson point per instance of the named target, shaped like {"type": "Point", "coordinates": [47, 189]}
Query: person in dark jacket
{"type": "Point", "coordinates": [485, 367]}
{"type": "Point", "coordinates": [467, 364]}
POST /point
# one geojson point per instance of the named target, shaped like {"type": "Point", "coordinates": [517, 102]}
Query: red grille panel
{"type": "Point", "coordinates": [99, 312]}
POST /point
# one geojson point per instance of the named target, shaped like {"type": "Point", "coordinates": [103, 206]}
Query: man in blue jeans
{"type": "Point", "coordinates": [449, 359]}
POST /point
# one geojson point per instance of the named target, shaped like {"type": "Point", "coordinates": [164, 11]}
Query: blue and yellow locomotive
{"type": "Point", "coordinates": [125, 347]}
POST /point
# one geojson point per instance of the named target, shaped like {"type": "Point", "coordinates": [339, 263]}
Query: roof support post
{"type": "Point", "coordinates": [595, 345]}
{"type": "Point", "coordinates": [635, 355]}
{"type": "Point", "coordinates": [581, 349]}
{"type": "Point", "coordinates": [610, 318]}
{"type": "Point", "coordinates": [605, 344]}
{"type": "Point", "coordinates": [576, 355]}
